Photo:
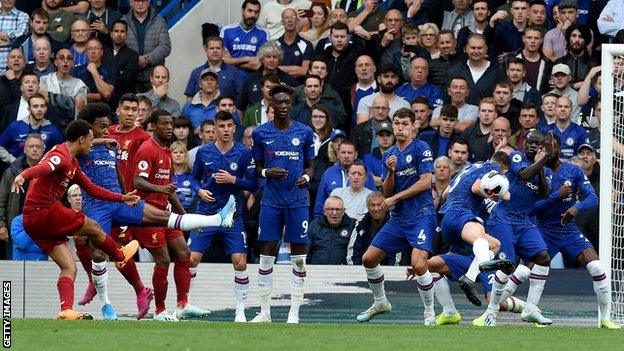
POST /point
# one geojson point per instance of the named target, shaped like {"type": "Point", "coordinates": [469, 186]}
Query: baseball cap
{"type": "Point", "coordinates": [586, 146]}
{"type": "Point", "coordinates": [561, 68]}
{"type": "Point", "coordinates": [389, 67]}
{"type": "Point", "coordinates": [208, 71]}
{"type": "Point", "coordinates": [384, 127]}
{"type": "Point", "coordinates": [337, 133]}
{"type": "Point", "coordinates": [564, 4]}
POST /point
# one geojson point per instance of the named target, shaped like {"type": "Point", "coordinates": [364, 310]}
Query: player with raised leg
{"type": "Point", "coordinates": [224, 168]}
{"type": "Point", "coordinates": [49, 223]}
{"type": "Point", "coordinates": [408, 171]}
{"type": "Point", "coordinates": [283, 150]}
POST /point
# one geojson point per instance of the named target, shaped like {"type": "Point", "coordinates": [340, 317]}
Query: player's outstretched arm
{"type": "Point", "coordinates": [540, 160]}
{"type": "Point", "coordinates": [40, 170]}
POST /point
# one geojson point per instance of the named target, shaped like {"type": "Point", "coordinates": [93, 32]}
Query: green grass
{"type": "Point", "coordinates": [40, 334]}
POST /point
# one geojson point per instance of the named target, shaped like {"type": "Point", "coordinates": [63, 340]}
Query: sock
{"type": "Point", "coordinates": [442, 293]}
{"type": "Point", "coordinates": [265, 282]}
{"type": "Point", "coordinates": [100, 280]}
{"type": "Point", "coordinates": [182, 277]}
{"type": "Point", "coordinates": [160, 283]}
{"type": "Point", "coordinates": [513, 304]}
{"type": "Point", "coordinates": [376, 281]}
{"type": "Point", "coordinates": [297, 282]}
{"type": "Point", "coordinates": [481, 251]}
{"type": "Point", "coordinates": [84, 255]}
{"type": "Point", "coordinates": [110, 248]}
{"type": "Point", "coordinates": [241, 286]}
{"type": "Point", "coordinates": [425, 289]}
{"type": "Point", "coordinates": [65, 287]}
{"type": "Point", "coordinates": [602, 288]}
{"type": "Point", "coordinates": [193, 271]}
{"type": "Point", "coordinates": [189, 221]}
{"type": "Point", "coordinates": [130, 272]}
{"type": "Point", "coordinates": [498, 286]}
{"type": "Point", "coordinates": [519, 276]}
{"type": "Point", "coordinates": [537, 281]}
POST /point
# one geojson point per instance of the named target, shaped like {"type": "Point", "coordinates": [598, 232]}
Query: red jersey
{"type": "Point", "coordinates": [129, 142]}
{"type": "Point", "coordinates": [153, 162]}
{"type": "Point", "coordinates": [51, 179]}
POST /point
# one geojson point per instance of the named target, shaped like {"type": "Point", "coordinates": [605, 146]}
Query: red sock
{"type": "Point", "coordinates": [160, 283]}
{"type": "Point", "coordinates": [110, 248]}
{"type": "Point", "coordinates": [84, 255]}
{"type": "Point", "coordinates": [65, 286]}
{"type": "Point", "coordinates": [182, 277]}
{"type": "Point", "coordinates": [131, 274]}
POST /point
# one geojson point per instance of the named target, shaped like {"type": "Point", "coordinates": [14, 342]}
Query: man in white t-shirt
{"type": "Point", "coordinates": [271, 15]}
{"type": "Point", "coordinates": [354, 195]}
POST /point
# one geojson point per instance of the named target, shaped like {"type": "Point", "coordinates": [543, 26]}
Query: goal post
{"type": "Point", "coordinates": [612, 174]}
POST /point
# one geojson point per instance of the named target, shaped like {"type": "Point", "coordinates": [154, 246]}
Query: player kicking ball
{"type": "Point", "coordinates": [100, 165]}
{"type": "Point", "coordinates": [224, 168]}
{"type": "Point", "coordinates": [283, 150]}
{"type": "Point", "coordinates": [408, 171]}
{"type": "Point", "coordinates": [49, 223]}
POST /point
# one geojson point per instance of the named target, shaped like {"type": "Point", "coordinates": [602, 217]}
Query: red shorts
{"type": "Point", "coordinates": [49, 227]}
{"type": "Point", "coordinates": [121, 237]}
{"type": "Point", "coordinates": [155, 237]}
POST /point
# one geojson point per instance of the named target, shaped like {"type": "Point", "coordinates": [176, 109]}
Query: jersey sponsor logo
{"type": "Point", "coordinates": [569, 141]}
{"type": "Point", "coordinates": [233, 166]}
{"type": "Point", "coordinates": [143, 165]}
{"type": "Point", "coordinates": [408, 159]}
{"type": "Point", "coordinates": [293, 155]}
{"type": "Point", "coordinates": [516, 158]}
{"type": "Point", "coordinates": [109, 163]}
{"type": "Point", "coordinates": [407, 172]}
{"type": "Point", "coordinates": [532, 186]}
{"type": "Point", "coordinates": [55, 160]}
{"type": "Point", "coordinates": [162, 174]}
{"type": "Point", "coordinates": [295, 141]}
{"type": "Point", "coordinates": [244, 47]}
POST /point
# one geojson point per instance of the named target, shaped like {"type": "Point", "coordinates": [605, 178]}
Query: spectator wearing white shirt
{"type": "Point", "coordinates": [611, 20]}
{"type": "Point", "coordinates": [354, 195]}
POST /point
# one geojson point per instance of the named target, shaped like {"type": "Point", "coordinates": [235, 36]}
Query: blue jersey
{"type": "Point", "coordinates": [523, 193]}
{"type": "Point", "coordinates": [100, 165]}
{"type": "Point", "coordinates": [548, 212]}
{"type": "Point", "coordinates": [431, 91]}
{"type": "Point", "coordinates": [416, 159]}
{"type": "Point", "coordinates": [287, 149]}
{"type": "Point", "coordinates": [186, 188]}
{"type": "Point", "coordinates": [571, 138]}
{"type": "Point", "coordinates": [14, 137]}
{"type": "Point", "coordinates": [242, 43]}
{"type": "Point", "coordinates": [460, 195]}
{"type": "Point", "coordinates": [238, 162]}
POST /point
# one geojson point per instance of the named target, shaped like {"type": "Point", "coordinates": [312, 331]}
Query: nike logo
{"type": "Point", "coordinates": [303, 236]}
{"type": "Point", "coordinates": [269, 142]}
{"type": "Point", "coordinates": [209, 163]}
{"type": "Point", "coordinates": [22, 135]}
{"type": "Point", "coordinates": [420, 242]}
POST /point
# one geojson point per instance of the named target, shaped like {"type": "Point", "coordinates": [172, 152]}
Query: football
{"type": "Point", "coordinates": [494, 183]}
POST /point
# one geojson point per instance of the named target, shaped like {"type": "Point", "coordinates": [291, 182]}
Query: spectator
{"type": "Point", "coordinates": [571, 134]}
{"type": "Point", "coordinates": [441, 178]}
{"type": "Point", "coordinates": [80, 33]}
{"type": "Point", "coordinates": [271, 15]}
{"type": "Point", "coordinates": [15, 70]}
{"type": "Point", "coordinates": [458, 153]}
{"type": "Point", "coordinates": [62, 82]}
{"type": "Point", "coordinates": [206, 135]}
{"type": "Point", "coordinates": [549, 110]}
{"type": "Point", "coordinates": [429, 33]}
{"type": "Point", "coordinates": [449, 58]}
{"type": "Point", "coordinates": [319, 24]}
{"type": "Point", "coordinates": [373, 160]}
{"type": "Point", "coordinates": [182, 133]}
{"type": "Point", "coordinates": [367, 228]}
{"type": "Point", "coordinates": [101, 19]}
{"type": "Point", "coordinates": [460, 17]}
{"type": "Point", "coordinates": [388, 80]}
{"type": "Point", "coordinates": [243, 40]}
{"type": "Point", "coordinates": [419, 86]}
{"type": "Point", "coordinates": [336, 138]}
{"type": "Point", "coordinates": [611, 20]}
{"type": "Point", "coordinates": [501, 131]}
{"type": "Point", "coordinates": [39, 24]}
{"type": "Point", "coordinates": [59, 19]}
{"type": "Point", "coordinates": [507, 36]}
{"type": "Point", "coordinates": [297, 52]}
{"type": "Point", "coordinates": [13, 139]}
{"type": "Point", "coordinates": [388, 43]}
{"type": "Point", "coordinates": [537, 13]}
{"type": "Point", "coordinates": [203, 106]}
{"type": "Point", "coordinates": [321, 125]}
{"type": "Point", "coordinates": [11, 202]}
{"type": "Point", "coordinates": [440, 140]}
{"type": "Point", "coordinates": [467, 114]}
{"type": "Point", "coordinates": [186, 186]}
{"type": "Point", "coordinates": [149, 37]}
{"type": "Point", "coordinates": [24, 248]}
{"type": "Point", "coordinates": [42, 64]}
{"type": "Point", "coordinates": [98, 77]}
{"type": "Point", "coordinates": [312, 87]}
{"type": "Point", "coordinates": [75, 7]}
{"type": "Point", "coordinates": [593, 134]}
{"type": "Point", "coordinates": [336, 176]}
{"type": "Point", "coordinates": [588, 221]}
{"type": "Point", "coordinates": [421, 108]}
{"type": "Point", "coordinates": [247, 139]}
{"type": "Point", "coordinates": [329, 235]}
{"type": "Point", "coordinates": [230, 81]}
{"type": "Point", "coordinates": [368, 18]}
{"type": "Point", "coordinates": [13, 24]}
{"type": "Point", "coordinates": [145, 110]}
{"type": "Point", "coordinates": [256, 114]}
{"type": "Point", "coordinates": [478, 136]}
{"type": "Point", "coordinates": [480, 25]}
{"type": "Point", "coordinates": [555, 40]}
{"type": "Point", "coordinates": [17, 109]}
{"type": "Point", "coordinates": [562, 79]}
{"type": "Point", "coordinates": [578, 58]}
{"type": "Point", "coordinates": [536, 65]}
{"type": "Point", "coordinates": [528, 120]}
{"type": "Point", "coordinates": [364, 133]}
{"type": "Point", "coordinates": [158, 95]}
{"type": "Point", "coordinates": [123, 60]}
{"type": "Point", "coordinates": [522, 91]}
{"type": "Point", "coordinates": [354, 195]}
{"type": "Point", "coordinates": [366, 84]}
{"type": "Point", "coordinates": [506, 105]}
{"type": "Point", "coordinates": [408, 50]}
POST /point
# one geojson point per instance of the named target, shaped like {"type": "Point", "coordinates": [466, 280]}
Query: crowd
{"type": "Point", "coordinates": [479, 75]}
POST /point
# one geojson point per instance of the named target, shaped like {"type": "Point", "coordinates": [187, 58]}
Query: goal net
{"type": "Point", "coordinates": [612, 174]}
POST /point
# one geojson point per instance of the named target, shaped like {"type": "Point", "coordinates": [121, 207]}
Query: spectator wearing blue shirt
{"type": "Point", "coordinates": [186, 186]}
{"type": "Point", "coordinates": [297, 51]}
{"type": "Point", "coordinates": [230, 81]}
{"type": "Point", "coordinates": [99, 78]}
{"type": "Point", "coordinates": [203, 106]}
{"type": "Point", "coordinates": [440, 141]}
{"type": "Point", "coordinates": [419, 86]}
{"type": "Point", "coordinates": [24, 248]}
{"type": "Point", "coordinates": [372, 160]}
{"type": "Point", "coordinates": [572, 135]}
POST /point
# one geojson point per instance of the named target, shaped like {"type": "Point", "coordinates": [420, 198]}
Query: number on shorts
{"type": "Point", "coordinates": [422, 236]}
{"type": "Point", "coordinates": [304, 224]}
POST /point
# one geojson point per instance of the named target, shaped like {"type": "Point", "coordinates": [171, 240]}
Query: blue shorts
{"type": "Point", "coordinates": [459, 264]}
{"type": "Point", "coordinates": [235, 238]}
{"type": "Point", "coordinates": [395, 237]}
{"type": "Point", "coordinates": [521, 240]}
{"type": "Point", "coordinates": [453, 223]}
{"type": "Point", "coordinates": [570, 244]}
{"type": "Point", "coordinates": [105, 213]}
{"type": "Point", "coordinates": [293, 222]}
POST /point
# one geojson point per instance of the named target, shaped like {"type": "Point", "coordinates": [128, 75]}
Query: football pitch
{"type": "Point", "coordinates": [41, 334]}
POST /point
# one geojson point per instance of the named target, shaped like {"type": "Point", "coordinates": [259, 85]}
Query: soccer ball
{"type": "Point", "coordinates": [494, 183]}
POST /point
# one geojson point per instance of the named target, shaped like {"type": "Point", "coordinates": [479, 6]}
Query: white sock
{"type": "Point", "coordinates": [442, 293]}
{"type": "Point", "coordinates": [425, 289]}
{"type": "Point", "coordinates": [602, 288]}
{"type": "Point", "coordinates": [537, 281]}
{"type": "Point", "coordinates": [265, 282]}
{"type": "Point", "coordinates": [498, 286]}
{"type": "Point", "coordinates": [376, 281]}
{"type": "Point", "coordinates": [297, 282]}
{"type": "Point", "coordinates": [519, 276]}
{"type": "Point", "coordinates": [190, 221]}
{"type": "Point", "coordinates": [100, 280]}
{"type": "Point", "coordinates": [481, 251]}
{"type": "Point", "coordinates": [241, 286]}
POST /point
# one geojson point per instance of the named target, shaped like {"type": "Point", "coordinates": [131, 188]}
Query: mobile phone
{"type": "Point", "coordinates": [411, 48]}
{"type": "Point", "coordinates": [307, 13]}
